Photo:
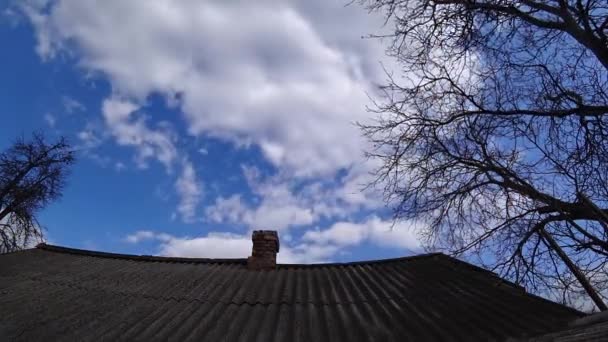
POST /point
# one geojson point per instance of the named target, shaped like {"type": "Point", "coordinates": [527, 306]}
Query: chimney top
{"type": "Point", "coordinates": [265, 249]}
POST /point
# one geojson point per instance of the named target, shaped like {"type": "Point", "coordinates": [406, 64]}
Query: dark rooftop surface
{"type": "Point", "coordinates": [56, 293]}
{"type": "Point", "coordinates": [591, 328]}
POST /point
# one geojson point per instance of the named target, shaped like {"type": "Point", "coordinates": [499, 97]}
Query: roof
{"type": "Point", "coordinates": [62, 293]}
{"type": "Point", "coordinates": [591, 328]}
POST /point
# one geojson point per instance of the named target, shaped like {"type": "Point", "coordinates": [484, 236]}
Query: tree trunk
{"type": "Point", "coordinates": [572, 267]}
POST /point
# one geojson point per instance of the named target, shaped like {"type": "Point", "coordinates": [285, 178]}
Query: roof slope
{"type": "Point", "coordinates": [67, 294]}
{"type": "Point", "coordinates": [591, 328]}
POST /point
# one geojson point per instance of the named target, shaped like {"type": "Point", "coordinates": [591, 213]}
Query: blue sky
{"type": "Point", "coordinates": [197, 122]}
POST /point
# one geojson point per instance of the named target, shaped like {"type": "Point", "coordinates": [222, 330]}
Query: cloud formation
{"type": "Point", "coordinates": [224, 63]}
{"type": "Point", "coordinates": [314, 247]}
{"type": "Point", "coordinates": [189, 190]}
{"type": "Point", "coordinates": [158, 143]}
{"type": "Point", "coordinates": [285, 202]}
{"type": "Point", "coordinates": [290, 77]}
{"type": "Point", "coordinates": [380, 232]}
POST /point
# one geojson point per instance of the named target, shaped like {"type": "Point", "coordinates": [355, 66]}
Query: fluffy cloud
{"type": "Point", "coordinates": [286, 202]}
{"type": "Point", "coordinates": [315, 246]}
{"type": "Point", "coordinates": [214, 245]}
{"type": "Point", "coordinates": [225, 245]}
{"type": "Point", "coordinates": [229, 245]}
{"type": "Point", "coordinates": [378, 231]}
{"type": "Point", "coordinates": [279, 208]}
{"type": "Point", "coordinates": [189, 190]}
{"type": "Point", "coordinates": [307, 254]}
{"type": "Point", "coordinates": [271, 214]}
{"type": "Point", "coordinates": [225, 63]}
{"type": "Point", "coordinates": [157, 143]}
{"type": "Point", "coordinates": [288, 76]}
{"type": "Point", "coordinates": [130, 131]}
{"type": "Point", "coordinates": [140, 236]}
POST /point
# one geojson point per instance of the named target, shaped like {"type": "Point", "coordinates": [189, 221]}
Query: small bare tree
{"type": "Point", "coordinates": [32, 174]}
{"type": "Point", "coordinates": [495, 132]}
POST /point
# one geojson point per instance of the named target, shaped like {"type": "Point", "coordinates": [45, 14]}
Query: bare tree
{"type": "Point", "coordinates": [32, 174]}
{"type": "Point", "coordinates": [495, 133]}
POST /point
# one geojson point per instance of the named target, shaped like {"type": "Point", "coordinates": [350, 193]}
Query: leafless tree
{"type": "Point", "coordinates": [32, 174]}
{"type": "Point", "coordinates": [495, 132]}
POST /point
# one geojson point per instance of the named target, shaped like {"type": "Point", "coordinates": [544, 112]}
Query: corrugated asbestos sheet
{"type": "Point", "coordinates": [53, 293]}
{"type": "Point", "coordinates": [591, 328]}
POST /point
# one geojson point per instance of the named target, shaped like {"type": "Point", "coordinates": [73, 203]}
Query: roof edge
{"type": "Point", "coordinates": [516, 286]}
{"type": "Point", "coordinates": [598, 317]}
{"type": "Point", "coordinates": [85, 252]}
{"type": "Point", "coordinates": [362, 262]}
{"type": "Point", "coordinates": [69, 250]}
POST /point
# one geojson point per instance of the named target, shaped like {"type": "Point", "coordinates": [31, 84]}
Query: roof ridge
{"type": "Point", "coordinates": [152, 258]}
{"type": "Point", "coordinates": [85, 252]}
{"type": "Point", "coordinates": [362, 262]}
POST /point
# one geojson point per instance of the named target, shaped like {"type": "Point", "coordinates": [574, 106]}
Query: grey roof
{"type": "Point", "coordinates": [56, 293]}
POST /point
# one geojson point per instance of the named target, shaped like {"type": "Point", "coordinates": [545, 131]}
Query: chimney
{"type": "Point", "coordinates": [265, 249]}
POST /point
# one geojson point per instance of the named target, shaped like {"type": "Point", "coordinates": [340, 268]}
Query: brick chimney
{"type": "Point", "coordinates": [265, 249]}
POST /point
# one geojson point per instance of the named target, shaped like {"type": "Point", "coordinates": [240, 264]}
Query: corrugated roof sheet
{"type": "Point", "coordinates": [593, 328]}
{"type": "Point", "coordinates": [54, 293]}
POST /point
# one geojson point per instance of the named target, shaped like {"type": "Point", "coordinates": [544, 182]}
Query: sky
{"type": "Point", "coordinates": [197, 122]}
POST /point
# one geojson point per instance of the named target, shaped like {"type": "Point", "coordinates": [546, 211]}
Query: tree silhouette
{"type": "Point", "coordinates": [495, 132]}
{"type": "Point", "coordinates": [32, 174]}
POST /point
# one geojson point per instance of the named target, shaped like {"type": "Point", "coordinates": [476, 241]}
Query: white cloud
{"type": "Point", "coordinates": [278, 209]}
{"type": "Point", "coordinates": [304, 87]}
{"type": "Point", "coordinates": [380, 232]}
{"type": "Point", "coordinates": [304, 84]}
{"type": "Point", "coordinates": [157, 143]}
{"type": "Point", "coordinates": [229, 209]}
{"type": "Point", "coordinates": [140, 236]}
{"type": "Point", "coordinates": [229, 245]}
{"type": "Point", "coordinates": [89, 138]}
{"type": "Point", "coordinates": [315, 246]}
{"type": "Point", "coordinates": [33, 10]}
{"type": "Point", "coordinates": [143, 235]}
{"type": "Point", "coordinates": [189, 190]}
{"type": "Point", "coordinates": [288, 76]}
{"type": "Point", "coordinates": [271, 214]}
{"type": "Point", "coordinates": [286, 202]}
{"type": "Point", "coordinates": [307, 254]}
{"type": "Point", "coordinates": [341, 233]}
{"type": "Point", "coordinates": [71, 105]}
{"type": "Point", "coordinates": [130, 131]}
{"type": "Point", "coordinates": [50, 119]}
{"type": "Point", "coordinates": [214, 245]}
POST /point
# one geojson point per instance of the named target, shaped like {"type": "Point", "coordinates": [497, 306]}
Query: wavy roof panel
{"type": "Point", "coordinates": [56, 293]}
